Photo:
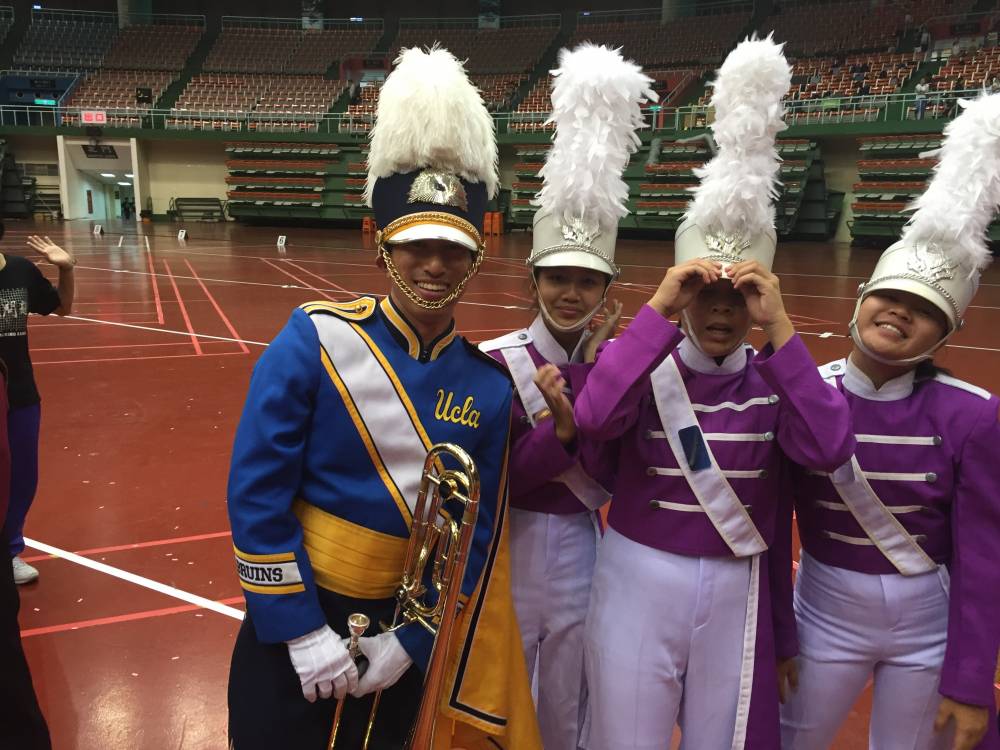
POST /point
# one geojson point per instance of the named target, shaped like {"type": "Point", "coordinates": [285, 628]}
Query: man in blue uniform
{"type": "Point", "coordinates": [342, 408]}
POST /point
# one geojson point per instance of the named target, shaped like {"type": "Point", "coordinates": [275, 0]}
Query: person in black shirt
{"type": "Point", "coordinates": [22, 724]}
{"type": "Point", "coordinates": [24, 290]}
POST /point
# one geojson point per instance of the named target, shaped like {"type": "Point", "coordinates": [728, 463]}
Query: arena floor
{"type": "Point", "coordinates": [130, 628]}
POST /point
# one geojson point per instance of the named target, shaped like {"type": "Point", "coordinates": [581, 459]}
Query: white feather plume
{"type": "Point", "coordinates": [739, 184]}
{"type": "Point", "coordinates": [596, 99]}
{"type": "Point", "coordinates": [431, 116]}
{"type": "Point", "coordinates": [955, 210]}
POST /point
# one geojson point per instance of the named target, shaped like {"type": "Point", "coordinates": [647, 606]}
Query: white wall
{"type": "Point", "coordinates": [185, 169]}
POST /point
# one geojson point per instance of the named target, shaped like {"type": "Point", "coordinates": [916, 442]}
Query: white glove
{"type": "Point", "coordinates": [388, 661]}
{"type": "Point", "coordinates": [322, 663]}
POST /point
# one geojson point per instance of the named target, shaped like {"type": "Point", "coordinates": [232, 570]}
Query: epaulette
{"type": "Point", "coordinates": [484, 357]}
{"type": "Point", "coordinates": [361, 308]}
{"type": "Point", "coordinates": [963, 386]}
{"type": "Point", "coordinates": [507, 341]}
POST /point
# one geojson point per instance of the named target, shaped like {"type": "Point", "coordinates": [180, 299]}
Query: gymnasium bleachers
{"type": "Point", "coordinates": [221, 101]}
{"type": "Point", "coordinates": [173, 44]}
{"type": "Point", "coordinates": [318, 50]}
{"type": "Point", "coordinates": [66, 41]}
{"type": "Point", "coordinates": [6, 22]}
{"type": "Point", "coordinates": [696, 39]}
{"type": "Point", "coordinates": [252, 49]}
{"type": "Point", "coordinates": [965, 72]}
{"type": "Point", "coordinates": [115, 90]}
{"type": "Point", "coordinates": [516, 49]}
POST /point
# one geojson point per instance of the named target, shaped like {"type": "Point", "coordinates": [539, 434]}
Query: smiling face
{"type": "Point", "coordinates": [899, 325]}
{"type": "Point", "coordinates": [569, 293]}
{"type": "Point", "coordinates": [433, 269]}
{"type": "Point", "coordinates": [718, 318]}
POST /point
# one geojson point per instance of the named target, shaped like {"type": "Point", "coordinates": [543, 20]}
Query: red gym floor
{"type": "Point", "coordinates": [129, 641]}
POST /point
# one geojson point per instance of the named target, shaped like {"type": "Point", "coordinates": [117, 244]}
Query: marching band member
{"type": "Point", "coordinates": [898, 579]}
{"type": "Point", "coordinates": [342, 409]}
{"type": "Point", "coordinates": [596, 99]}
{"type": "Point", "coordinates": [680, 623]}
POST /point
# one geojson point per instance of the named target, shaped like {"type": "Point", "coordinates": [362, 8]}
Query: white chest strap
{"type": "Point", "coordinates": [878, 522]}
{"type": "Point", "coordinates": [377, 408]}
{"type": "Point", "coordinates": [522, 369]}
{"type": "Point", "coordinates": [714, 493]}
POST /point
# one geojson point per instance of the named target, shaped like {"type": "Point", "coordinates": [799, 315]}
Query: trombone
{"type": "Point", "coordinates": [433, 571]}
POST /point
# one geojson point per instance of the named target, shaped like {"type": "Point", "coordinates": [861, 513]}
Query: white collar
{"type": "Point", "coordinates": [550, 349]}
{"type": "Point", "coordinates": [892, 390]}
{"type": "Point", "coordinates": [698, 361]}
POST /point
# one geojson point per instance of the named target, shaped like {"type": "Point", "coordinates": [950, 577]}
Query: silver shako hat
{"type": "Point", "coordinates": [596, 107]}
{"type": "Point", "coordinates": [731, 218]}
{"type": "Point", "coordinates": [943, 247]}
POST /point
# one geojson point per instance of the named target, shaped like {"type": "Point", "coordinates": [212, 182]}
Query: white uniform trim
{"type": "Point", "coordinates": [728, 473]}
{"type": "Point", "coordinates": [898, 439]}
{"type": "Point", "coordinates": [721, 437]}
{"type": "Point", "coordinates": [399, 444]}
{"type": "Point", "coordinates": [898, 509]}
{"type": "Point", "coordinates": [878, 522]}
{"type": "Point", "coordinates": [962, 385]}
{"type": "Point", "coordinates": [710, 486]}
{"type": "Point", "coordinates": [888, 476]}
{"type": "Point", "coordinates": [683, 507]}
{"type": "Point", "coordinates": [749, 654]}
{"type": "Point", "coordinates": [762, 401]}
{"type": "Point", "coordinates": [859, 541]}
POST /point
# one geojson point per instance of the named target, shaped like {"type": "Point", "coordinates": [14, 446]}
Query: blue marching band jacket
{"type": "Point", "coordinates": [342, 408]}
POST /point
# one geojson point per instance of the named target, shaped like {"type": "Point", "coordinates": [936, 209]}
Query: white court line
{"type": "Point", "coordinates": [283, 286]}
{"type": "Point", "coordinates": [165, 330]}
{"type": "Point", "coordinates": [148, 583]}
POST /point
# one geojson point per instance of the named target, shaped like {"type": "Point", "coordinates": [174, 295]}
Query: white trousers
{"type": "Point", "coordinates": [664, 645]}
{"type": "Point", "coordinates": [552, 564]}
{"type": "Point", "coordinates": [854, 627]}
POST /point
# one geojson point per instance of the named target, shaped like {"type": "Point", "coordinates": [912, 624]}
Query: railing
{"type": "Point", "coordinates": [655, 15]}
{"type": "Point", "coordinates": [506, 22]}
{"type": "Point", "coordinates": [255, 22]}
{"type": "Point", "coordinates": [833, 110]}
{"type": "Point", "coordinates": [166, 19]}
{"type": "Point", "coordinates": [91, 16]}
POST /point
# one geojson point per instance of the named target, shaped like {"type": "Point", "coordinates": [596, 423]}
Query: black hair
{"type": "Point", "coordinates": [927, 370]}
{"type": "Point", "coordinates": [2, 229]}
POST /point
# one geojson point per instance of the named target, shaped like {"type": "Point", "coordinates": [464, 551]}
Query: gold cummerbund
{"type": "Point", "coordinates": [349, 559]}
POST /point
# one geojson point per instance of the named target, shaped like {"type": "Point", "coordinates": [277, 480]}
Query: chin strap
{"type": "Point", "coordinates": [689, 332]}
{"type": "Point", "coordinates": [416, 298]}
{"type": "Point", "coordinates": [909, 361]}
{"type": "Point", "coordinates": [551, 322]}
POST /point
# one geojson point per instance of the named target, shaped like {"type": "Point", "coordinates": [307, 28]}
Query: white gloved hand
{"type": "Point", "coordinates": [322, 663]}
{"type": "Point", "coordinates": [388, 661]}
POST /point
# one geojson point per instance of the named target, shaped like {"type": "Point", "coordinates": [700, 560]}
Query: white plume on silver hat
{"type": "Point", "coordinates": [731, 217]}
{"type": "Point", "coordinates": [596, 107]}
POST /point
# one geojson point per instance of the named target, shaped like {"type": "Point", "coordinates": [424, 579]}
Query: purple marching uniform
{"type": "Point", "coordinates": [674, 612]}
{"type": "Point", "coordinates": [553, 534]}
{"type": "Point", "coordinates": [929, 448]}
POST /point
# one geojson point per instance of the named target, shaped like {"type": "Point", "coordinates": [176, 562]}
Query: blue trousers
{"type": "Point", "coordinates": [22, 432]}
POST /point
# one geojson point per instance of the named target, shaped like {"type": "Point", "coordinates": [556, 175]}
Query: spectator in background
{"type": "Point", "coordinates": [24, 290]}
{"type": "Point", "coordinates": [923, 89]}
{"type": "Point", "coordinates": [815, 78]}
{"type": "Point", "coordinates": [22, 725]}
{"type": "Point", "coordinates": [957, 93]}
